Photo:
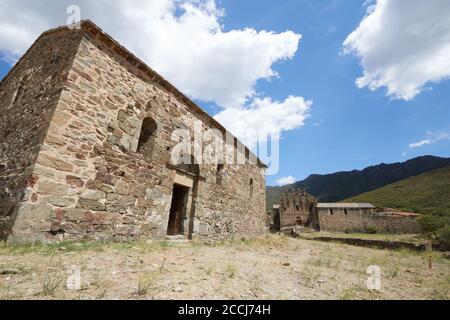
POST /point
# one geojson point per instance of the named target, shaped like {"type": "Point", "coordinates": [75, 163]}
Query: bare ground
{"type": "Point", "coordinates": [270, 267]}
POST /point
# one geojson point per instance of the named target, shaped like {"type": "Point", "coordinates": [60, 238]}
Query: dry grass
{"type": "Point", "coordinates": [268, 267]}
{"type": "Point", "coordinates": [147, 282]}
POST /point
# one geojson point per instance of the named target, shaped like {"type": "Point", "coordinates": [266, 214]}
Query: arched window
{"type": "Point", "coordinates": [147, 139]}
{"type": "Point", "coordinates": [251, 189]}
{"type": "Point", "coordinates": [220, 173]}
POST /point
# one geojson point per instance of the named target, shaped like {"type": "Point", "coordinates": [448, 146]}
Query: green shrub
{"type": "Point", "coordinates": [443, 235]}
{"type": "Point", "coordinates": [430, 224]}
{"type": "Point", "coordinates": [371, 230]}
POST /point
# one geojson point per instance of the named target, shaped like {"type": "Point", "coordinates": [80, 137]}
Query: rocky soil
{"type": "Point", "coordinates": [272, 267]}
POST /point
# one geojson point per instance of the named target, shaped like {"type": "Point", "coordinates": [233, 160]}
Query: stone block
{"type": "Point", "coordinates": [74, 181]}
{"type": "Point", "coordinates": [52, 188]}
{"type": "Point", "coordinates": [78, 215]}
{"type": "Point", "coordinates": [94, 195]}
{"type": "Point", "coordinates": [58, 201]}
{"type": "Point", "coordinates": [35, 212]}
{"type": "Point", "coordinates": [54, 162]}
{"type": "Point", "coordinates": [90, 205]}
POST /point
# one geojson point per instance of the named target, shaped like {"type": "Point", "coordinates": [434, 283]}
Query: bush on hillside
{"type": "Point", "coordinates": [444, 238]}
{"type": "Point", "coordinates": [431, 224]}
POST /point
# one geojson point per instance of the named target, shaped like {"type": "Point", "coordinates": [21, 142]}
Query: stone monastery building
{"type": "Point", "coordinates": [85, 151]}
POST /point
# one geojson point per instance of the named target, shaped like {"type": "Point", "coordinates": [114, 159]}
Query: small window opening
{"type": "Point", "coordinates": [147, 139]}
{"type": "Point", "coordinates": [220, 174]}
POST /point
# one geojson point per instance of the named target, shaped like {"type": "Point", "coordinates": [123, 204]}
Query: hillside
{"type": "Point", "coordinates": [428, 193]}
{"type": "Point", "coordinates": [342, 185]}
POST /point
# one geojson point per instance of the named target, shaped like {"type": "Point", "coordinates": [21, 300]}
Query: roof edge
{"type": "Point", "coordinates": [89, 26]}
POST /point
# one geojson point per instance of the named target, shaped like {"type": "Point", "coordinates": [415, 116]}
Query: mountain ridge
{"type": "Point", "coordinates": [341, 185]}
{"type": "Point", "coordinates": [427, 193]}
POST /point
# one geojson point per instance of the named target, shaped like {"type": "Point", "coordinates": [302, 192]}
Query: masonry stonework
{"type": "Point", "coordinates": [300, 209]}
{"type": "Point", "coordinates": [29, 95]}
{"type": "Point", "coordinates": [99, 166]}
{"type": "Point", "coordinates": [364, 220]}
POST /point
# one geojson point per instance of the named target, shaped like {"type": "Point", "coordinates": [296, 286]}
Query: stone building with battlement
{"type": "Point", "coordinates": [85, 151]}
{"type": "Point", "coordinates": [299, 209]}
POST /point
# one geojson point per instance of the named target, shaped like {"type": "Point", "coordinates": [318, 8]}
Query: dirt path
{"type": "Point", "coordinates": [268, 268]}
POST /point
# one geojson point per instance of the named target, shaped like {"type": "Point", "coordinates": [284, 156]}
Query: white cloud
{"type": "Point", "coordinates": [265, 117]}
{"type": "Point", "coordinates": [402, 45]}
{"type": "Point", "coordinates": [184, 41]}
{"type": "Point", "coordinates": [420, 143]}
{"type": "Point", "coordinates": [285, 181]}
{"type": "Point", "coordinates": [432, 139]}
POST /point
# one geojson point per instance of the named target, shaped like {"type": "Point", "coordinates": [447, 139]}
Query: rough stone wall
{"type": "Point", "coordinates": [28, 98]}
{"type": "Point", "coordinates": [90, 181]}
{"type": "Point", "coordinates": [298, 208]}
{"type": "Point", "coordinates": [360, 220]}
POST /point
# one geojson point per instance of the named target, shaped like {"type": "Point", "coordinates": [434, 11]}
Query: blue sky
{"type": "Point", "coordinates": [348, 127]}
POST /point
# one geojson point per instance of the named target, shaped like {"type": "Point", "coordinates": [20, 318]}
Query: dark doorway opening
{"type": "Point", "coordinates": [276, 221]}
{"type": "Point", "coordinates": [178, 211]}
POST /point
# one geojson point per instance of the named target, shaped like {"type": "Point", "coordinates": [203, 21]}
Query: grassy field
{"type": "Point", "coordinates": [428, 193]}
{"type": "Point", "coordinates": [269, 267]}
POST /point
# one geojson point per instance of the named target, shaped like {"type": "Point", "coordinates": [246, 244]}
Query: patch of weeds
{"type": "Point", "coordinates": [406, 253]}
{"type": "Point", "coordinates": [103, 285]}
{"type": "Point", "coordinates": [7, 288]}
{"type": "Point", "coordinates": [310, 275]}
{"type": "Point", "coordinates": [349, 294]}
{"type": "Point", "coordinates": [256, 285]}
{"type": "Point", "coordinates": [52, 280]}
{"type": "Point", "coordinates": [210, 270]}
{"type": "Point", "coordinates": [231, 271]}
{"type": "Point", "coordinates": [13, 269]}
{"type": "Point", "coordinates": [371, 294]}
{"type": "Point", "coordinates": [418, 279]}
{"type": "Point", "coordinates": [51, 249]}
{"type": "Point", "coordinates": [321, 262]}
{"type": "Point", "coordinates": [146, 283]}
{"type": "Point", "coordinates": [441, 293]}
{"type": "Point", "coordinates": [164, 245]}
{"type": "Point", "coordinates": [196, 244]}
{"type": "Point", "coordinates": [357, 293]}
{"type": "Point", "coordinates": [394, 271]}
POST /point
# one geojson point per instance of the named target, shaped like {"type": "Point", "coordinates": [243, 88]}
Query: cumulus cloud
{"type": "Point", "coordinates": [431, 139]}
{"type": "Point", "coordinates": [265, 118]}
{"type": "Point", "coordinates": [185, 42]}
{"type": "Point", "coordinates": [403, 45]}
{"type": "Point", "coordinates": [285, 181]}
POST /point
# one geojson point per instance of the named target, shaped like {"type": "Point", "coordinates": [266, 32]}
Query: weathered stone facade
{"type": "Point", "coordinates": [300, 209]}
{"type": "Point", "coordinates": [90, 153]}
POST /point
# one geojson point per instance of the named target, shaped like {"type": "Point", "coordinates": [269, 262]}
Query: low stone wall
{"type": "Point", "coordinates": [382, 244]}
{"type": "Point", "coordinates": [357, 220]}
